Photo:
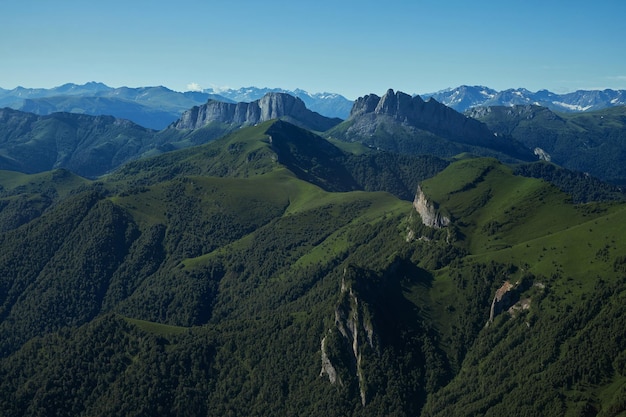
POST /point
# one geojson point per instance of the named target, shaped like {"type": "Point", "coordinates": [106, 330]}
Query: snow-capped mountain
{"type": "Point", "coordinates": [465, 97]}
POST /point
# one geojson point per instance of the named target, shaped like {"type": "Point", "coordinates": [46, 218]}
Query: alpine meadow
{"type": "Point", "coordinates": [200, 255]}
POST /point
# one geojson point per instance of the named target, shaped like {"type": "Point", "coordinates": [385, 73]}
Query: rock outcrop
{"type": "Point", "coordinates": [543, 155]}
{"type": "Point", "coordinates": [428, 211]}
{"type": "Point", "coordinates": [354, 324]}
{"type": "Point", "coordinates": [428, 115]}
{"type": "Point", "coordinates": [327, 366]}
{"type": "Point", "coordinates": [271, 106]}
{"type": "Point", "coordinates": [502, 300]}
{"type": "Point", "coordinates": [430, 121]}
{"type": "Point", "coordinates": [508, 298]}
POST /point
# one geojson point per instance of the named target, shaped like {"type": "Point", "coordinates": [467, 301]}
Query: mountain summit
{"type": "Point", "coordinates": [270, 106]}
{"type": "Point", "coordinates": [428, 115]}
{"type": "Point", "coordinates": [401, 123]}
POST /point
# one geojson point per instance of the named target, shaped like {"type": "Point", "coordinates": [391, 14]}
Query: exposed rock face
{"type": "Point", "coordinates": [371, 114]}
{"type": "Point", "coordinates": [327, 367]}
{"type": "Point", "coordinates": [501, 300]}
{"type": "Point", "coordinates": [507, 298]}
{"type": "Point", "coordinates": [543, 155]}
{"type": "Point", "coordinates": [427, 210]}
{"type": "Point", "coordinates": [428, 115]}
{"type": "Point", "coordinates": [352, 320]}
{"type": "Point", "coordinates": [271, 106]}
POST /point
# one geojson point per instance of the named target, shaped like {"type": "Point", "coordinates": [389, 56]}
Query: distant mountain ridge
{"type": "Point", "coordinates": [91, 146]}
{"type": "Point", "coordinates": [94, 145]}
{"type": "Point", "coordinates": [87, 145]}
{"type": "Point", "coordinates": [465, 97]}
{"type": "Point", "coordinates": [157, 107]}
{"type": "Point", "coordinates": [152, 107]}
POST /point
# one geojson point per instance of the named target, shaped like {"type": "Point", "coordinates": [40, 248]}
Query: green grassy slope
{"type": "Point", "coordinates": [247, 265]}
{"type": "Point", "coordinates": [569, 260]}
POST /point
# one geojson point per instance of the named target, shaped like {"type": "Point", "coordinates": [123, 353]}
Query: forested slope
{"type": "Point", "coordinates": [271, 273]}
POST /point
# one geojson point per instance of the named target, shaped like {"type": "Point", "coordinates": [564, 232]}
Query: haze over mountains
{"type": "Point", "coordinates": [157, 107]}
{"type": "Point", "coordinates": [94, 145]}
{"type": "Point", "coordinates": [152, 107]}
{"type": "Point", "coordinates": [465, 97]}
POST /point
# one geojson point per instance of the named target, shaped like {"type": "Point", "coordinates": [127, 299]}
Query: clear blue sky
{"type": "Point", "coordinates": [344, 46]}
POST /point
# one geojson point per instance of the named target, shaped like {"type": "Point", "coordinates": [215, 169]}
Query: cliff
{"type": "Point", "coordinates": [428, 211]}
{"type": "Point", "coordinates": [271, 106]}
{"type": "Point", "coordinates": [427, 115]}
{"type": "Point", "coordinates": [402, 123]}
{"type": "Point", "coordinates": [354, 325]}
{"type": "Point", "coordinates": [509, 298]}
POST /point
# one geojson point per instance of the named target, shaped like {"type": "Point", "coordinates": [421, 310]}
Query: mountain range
{"type": "Point", "coordinates": [331, 105]}
{"type": "Point", "coordinates": [151, 107]}
{"type": "Point", "coordinates": [158, 107]}
{"type": "Point", "coordinates": [91, 146]}
{"type": "Point", "coordinates": [400, 123]}
{"type": "Point", "coordinates": [466, 97]}
{"type": "Point", "coordinates": [256, 257]}
{"type": "Point", "coordinates": [95, 145]}
{"type": "Point", "coordinates": [271, 106]}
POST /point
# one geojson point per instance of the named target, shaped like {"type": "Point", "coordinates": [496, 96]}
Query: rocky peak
{"type": "Point", "coordinates": [398, 105]}
{"type": "Point", "coordinates": [276, 105]}
{"type": "Point", "coordinates": [413, 113]}
{"type": "Point", "coordinates": [270, 106]}
{"type": "Point", "coordinates": [363, 105]}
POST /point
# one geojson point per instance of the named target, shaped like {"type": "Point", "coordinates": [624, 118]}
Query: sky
{"type": "Point", "coordinates": [348, 47]}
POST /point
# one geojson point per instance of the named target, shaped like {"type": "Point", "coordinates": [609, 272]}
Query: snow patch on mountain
{"type": "Point", "coordinates": [466, 97]}
{"type": "Point", "coordinates": [572, 107]}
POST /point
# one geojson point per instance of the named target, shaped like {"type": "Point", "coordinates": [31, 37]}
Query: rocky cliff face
{"type": "Point", "coordinates": [271, 106]}
{"type": "Point", "coordinates": [428, 115]}
{"type": "Point", "coordinates": [508, 298]}
{"type": "Point", "coordinates": [354, 325]}
{"type": "Point", "coordinates": [428, 211]}
{"type": "Point", "coordinates": [397, 112]}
